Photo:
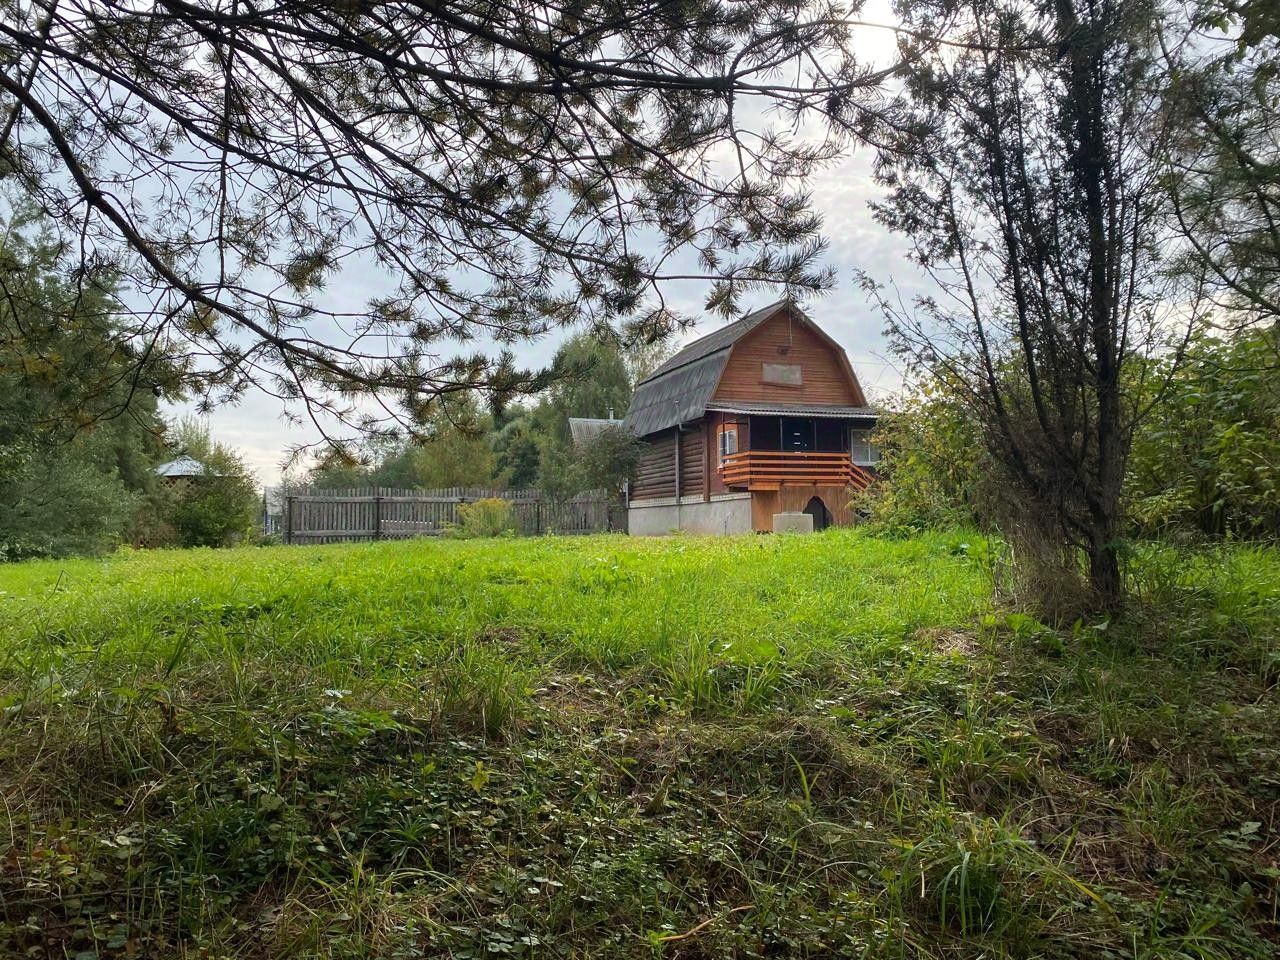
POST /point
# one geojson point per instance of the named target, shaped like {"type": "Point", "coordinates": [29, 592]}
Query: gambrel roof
{"type": "Point", "coordinates": [681, 389]}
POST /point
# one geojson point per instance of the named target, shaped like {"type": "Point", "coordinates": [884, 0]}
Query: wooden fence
{"type": "Point", "coordinates": [386, 513]}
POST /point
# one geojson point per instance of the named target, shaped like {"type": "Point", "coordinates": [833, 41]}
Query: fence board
{"type": "Point", "coordinates": [386, 513]}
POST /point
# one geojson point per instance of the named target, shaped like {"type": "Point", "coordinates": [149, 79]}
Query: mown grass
{"type": "Point", "coordinates": [761, 747]}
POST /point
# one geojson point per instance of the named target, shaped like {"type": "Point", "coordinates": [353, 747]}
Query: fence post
{"type": "Point", "coordinates": [377, 516]}
{"type": "Point", "coordinates": [288, 519]}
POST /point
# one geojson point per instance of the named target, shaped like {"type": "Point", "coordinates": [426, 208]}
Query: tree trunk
{"type": "Point", "coordinates": [1104, 572]}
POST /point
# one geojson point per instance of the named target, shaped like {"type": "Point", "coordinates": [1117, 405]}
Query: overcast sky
{"type": "Point", "coordinates": [257, 427]}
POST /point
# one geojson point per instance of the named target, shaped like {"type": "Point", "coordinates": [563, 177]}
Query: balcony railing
{"type": "Point", "coordinates": [772, 469]}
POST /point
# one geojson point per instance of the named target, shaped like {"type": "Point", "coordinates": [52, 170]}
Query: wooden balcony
{"type": "Point", "coordinates": [773, 469]}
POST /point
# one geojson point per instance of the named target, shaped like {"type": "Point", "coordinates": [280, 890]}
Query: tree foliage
{"type": "Point", "coordinates": [930, 472]}
{"type": "Point", "coordinates": [79, 430]}
{"type": "Point", "coordinates": [219, 508]}
{"type": "Point", "coordinates": [1223, 165]}
{"type": "Point", "coordinates": [1022, 173]}
{"type": "Point", "coordinates": [1208, 459]}
{"type": "Point", "coordinates": [494, 171]}
{"type": "Point", "coordinates": [518, 446]}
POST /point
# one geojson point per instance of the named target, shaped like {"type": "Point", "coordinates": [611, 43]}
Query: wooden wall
{"type": "Point", "coordinates": [788, 340]}
{"type": "Point", "coordinates": [713, 421]}
{"type": "Point", "coordinates": [792, 499]}
{"type": "Point", "coordinates": [655, 471]}
{"type": "Point", "coordinates": [693, 461]}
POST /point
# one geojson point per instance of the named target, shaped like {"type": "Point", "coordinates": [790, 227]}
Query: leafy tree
{"type": "Point", "coordinates": [451, 448]}
{"type": "Point", "coordinates": [932, 465]}
{"type": "Point", "coordinates": [1022, 172]}
{"type": "Point", "coordinates": [502, 165]}
{"type": "Point", "coordinates": [607, 460]}
{"type": "Point", "coordinates": [219, 508]}
{"type": "Point", "coordinates": [79, 431]}
{"type": "Point", "coordinates": [1223, 165]}
{"type": "Point", "coordinates": [591, 380]}
{"type": "Point", "coordinates": [516, 452]}
{"type": "Point", "coordinates": [456, 450]}
{"type": "Point", "coordinates": [1208, 459]}
{"type": "Point", "coordinates": [61, 500]}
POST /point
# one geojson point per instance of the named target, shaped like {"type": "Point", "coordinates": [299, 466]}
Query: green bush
{"type": "Point", "coordinates": [1207, 458]}
{"type": "Point", "coordinates": [491, 517]}
{"type": "Point", "coordinates": [215, 511]}
{"type": "Point", "coordinates": [58, 501]}
{"type": "Point", "coordinates": [218, 509]}
{"type": "Point", "coordinates": [930, 469]}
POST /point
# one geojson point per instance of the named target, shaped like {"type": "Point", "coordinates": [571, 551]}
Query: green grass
{"type": "Point", "coordinates": [588, 747]}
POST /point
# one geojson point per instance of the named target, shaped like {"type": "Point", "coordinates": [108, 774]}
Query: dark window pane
{"type": "Point", "coordinates": [831, 436]}
{"type": "Point", "coordinates": [797, 433]}
{"type": "Point", "coordinates": [766, 433]}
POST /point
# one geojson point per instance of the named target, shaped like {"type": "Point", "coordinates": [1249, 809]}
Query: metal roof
{"type": "Point", "coordinates": [681, 389]}
{"type": "Point", "coordinates": [717, 340]}
{"type": "Point", "coordinates": [795, 409]}
{"type": "Point", "coordinates": [586, 429]}
{"type": "Point", "coordinates": [677, 396]}
{"type": "Point", "coordinates": [184, 466]}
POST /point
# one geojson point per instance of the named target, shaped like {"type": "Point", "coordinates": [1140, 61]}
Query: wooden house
{"type": "Point", "coordinates": [760, 417]}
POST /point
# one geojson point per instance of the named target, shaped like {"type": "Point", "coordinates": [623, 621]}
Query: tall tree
{"type": "Point", "coordinates": [79, 430]}
{"type": "Point", "coordinates": [592, 380]}
{"type": "Point", "coordinates": [1223, 166]}
{"type": "Point", "coordinates": [1022, 174]}
{"type": "Point", "coordinates": [499, 169]}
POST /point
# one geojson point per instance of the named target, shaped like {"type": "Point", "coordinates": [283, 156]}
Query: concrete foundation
{"type": "Point", "coordinates": [792, 523]}
{"type": "Point", "coordinates": [730, 513]}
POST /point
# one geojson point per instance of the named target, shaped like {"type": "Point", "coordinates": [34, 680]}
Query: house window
{"type": "Point", "coordinates": [864, 452]}
{"type": "Point", "coordinates": [728, 442]}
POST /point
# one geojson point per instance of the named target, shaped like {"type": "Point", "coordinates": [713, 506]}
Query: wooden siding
{"type": "Point", "coordinates": [715, 420]}
{"type": "Point", "coordinates": [655, 470]}
{"type": "Point", "coordinates": [824, 377]}
{"type": "Point", "coordinates": [693, 461]}
{"type": "Point", "coordinates": [792, 499]}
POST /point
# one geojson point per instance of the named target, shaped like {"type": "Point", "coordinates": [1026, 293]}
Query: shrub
{"type": "Point", "coordinates": [1207, 458]}
{"type": "Point", "coordinates": [216, 511]}
{"type": "Point", "coordinates": [57, 501]}
{"type": "Point", "coordinates": [930, 467]}
{"type": "Point", "coordinates": [491, 517]}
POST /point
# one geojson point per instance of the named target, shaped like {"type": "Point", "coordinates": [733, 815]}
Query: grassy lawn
{"type": "Point", "coordinates": [827, 746]}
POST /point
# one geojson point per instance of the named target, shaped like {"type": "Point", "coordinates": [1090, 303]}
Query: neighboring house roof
{"type": "Point", "coordinates": [787, 409]}
{"type": "Point", "coordinates": [183, 466]}
{"type": "Point", "coordinates": [586, 429]}
{"type": "Point", "coordinates": [681, 389]}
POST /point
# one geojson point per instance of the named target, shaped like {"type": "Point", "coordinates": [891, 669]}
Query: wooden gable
{"type": "Point", "coordinates": [788, 359]}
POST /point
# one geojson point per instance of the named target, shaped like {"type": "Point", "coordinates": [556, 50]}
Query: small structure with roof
{"type": "Point", "coordinates": [182, 468]}
{"type": "Point", "coordinates": [764, 416]}
{"type": "Point", "coordinates": [583, 430]}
